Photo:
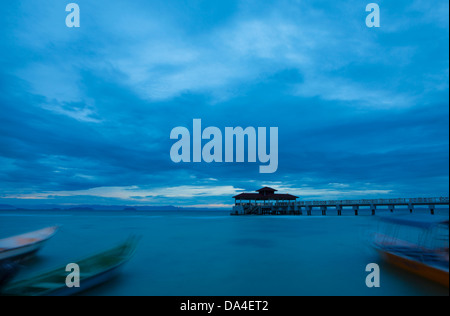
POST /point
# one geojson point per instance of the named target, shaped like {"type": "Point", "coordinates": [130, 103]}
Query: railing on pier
{"type": "Point", "coordinates": [296, 208]}
{"type": "Point", "coordinates": [399, 201]}
{"type": "Point", "coordinates": [365, 202]}
{"type": "Point", "coordinates": [265, 204]}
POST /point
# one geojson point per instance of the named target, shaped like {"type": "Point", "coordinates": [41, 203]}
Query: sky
{"type": "Point", "coordinates": [86, 113]}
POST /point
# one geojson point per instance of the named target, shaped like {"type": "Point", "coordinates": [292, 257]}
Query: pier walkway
{"type": "Point", "coordinates": [267, 202]}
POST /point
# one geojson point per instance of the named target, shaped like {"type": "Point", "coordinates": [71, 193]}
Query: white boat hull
{"type": "Point", "coordinates": [22, 246]}
{"type": "Point", "coordinates": [20, 252]}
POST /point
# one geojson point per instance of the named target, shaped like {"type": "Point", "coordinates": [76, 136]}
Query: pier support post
{"type": "Point", "coordinates": [392, 208]}
{"type": "Point", "coordinates": [339, 210]}
{"type": "Point", "coordinates": [324, 210]}
{"type": "Point", "coordinates": [432, 208]}
{"type": "Point", "coordinates": [309, 210]}
{"type": "Point", "coordinates": [373, 208]}
{"type": "Point", "coordinates": [411, 208]}
{"type": "Point", "coordinates": [356, 209]}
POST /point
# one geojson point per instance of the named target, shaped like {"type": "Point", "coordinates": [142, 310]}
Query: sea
{"type": "Point", "coordinates": [210, 253]}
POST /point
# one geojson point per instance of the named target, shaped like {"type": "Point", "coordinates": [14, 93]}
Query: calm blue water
{"type": "Point", "coordinates": [212, 253]}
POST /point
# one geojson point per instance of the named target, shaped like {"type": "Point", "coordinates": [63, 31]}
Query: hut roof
{"type": "Point", "coordinates": [266, 189]}
{"type": "Point", "coordinates": [265, 194]}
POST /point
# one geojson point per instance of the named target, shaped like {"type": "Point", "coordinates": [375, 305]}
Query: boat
{"type": "Point", "coordinates": [21, 247]}
{"type": "Point", "coordinates": [8, 269]}
{"type": "Point", "coordinates": [427, 257]}
{"type": "Point", "coordinates": [94, 270]}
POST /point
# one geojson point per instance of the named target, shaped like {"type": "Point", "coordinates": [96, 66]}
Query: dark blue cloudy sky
{"type": "Point", "coordinates": [86, 113]}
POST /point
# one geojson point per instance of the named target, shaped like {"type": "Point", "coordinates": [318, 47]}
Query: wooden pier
{"type": "Point", "coordinates": [267, 202]}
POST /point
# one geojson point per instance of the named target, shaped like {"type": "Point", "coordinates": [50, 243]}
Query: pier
{"type": "Point", "coordinates": [268, 202]}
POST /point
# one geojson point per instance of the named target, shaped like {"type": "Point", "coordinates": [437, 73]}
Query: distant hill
{"type": "Point", "coordinates": [7, 207]}
{"type": "Point", "coordinates": [87, 208]}
{"type": "Point", "coordinates": [80, 208]}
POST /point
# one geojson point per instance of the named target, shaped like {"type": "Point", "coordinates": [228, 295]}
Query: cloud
{"type": "Point", "coordinates": [86, 113]}
{"type": "Point", "coordinates": [134, 194]}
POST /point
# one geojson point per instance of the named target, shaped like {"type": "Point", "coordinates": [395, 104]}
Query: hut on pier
{"type": "Point", "coordinates": [266, 201]}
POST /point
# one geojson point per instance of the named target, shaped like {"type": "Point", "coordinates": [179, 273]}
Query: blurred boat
{"type": "Point", "coordinates": [428, 257]}
{"type": "Point", "coordinates": [24, 246]}
{"type": "Point", "coordinates": [8, 270]}
{"type": "Point", "coordinates": [94, 271]}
